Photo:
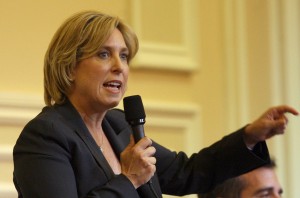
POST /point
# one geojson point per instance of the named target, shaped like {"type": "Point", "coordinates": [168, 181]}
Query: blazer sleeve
{"type": "Point", "coordinates": [180, 175]}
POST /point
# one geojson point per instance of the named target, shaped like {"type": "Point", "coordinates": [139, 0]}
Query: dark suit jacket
{"type": "Point", "coordinates": [56, 157]}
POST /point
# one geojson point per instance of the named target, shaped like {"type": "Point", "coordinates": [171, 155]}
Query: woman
{"type": "Point", "coordinates": [78, 146]}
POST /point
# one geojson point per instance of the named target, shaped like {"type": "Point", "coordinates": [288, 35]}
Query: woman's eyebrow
{"type": "Point", "coordinates": [112, 47]}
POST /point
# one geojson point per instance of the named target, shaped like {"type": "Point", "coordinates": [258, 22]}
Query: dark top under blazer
{"type": "Point", "coordinates": [56, 157]}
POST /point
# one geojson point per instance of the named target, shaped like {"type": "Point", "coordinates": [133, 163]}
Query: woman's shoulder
{"type": "Point", "coordinates": [47, 115]}
{"type": "Point", "coordinates": [50, 122]}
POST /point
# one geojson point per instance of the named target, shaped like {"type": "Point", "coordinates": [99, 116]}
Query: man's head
{"type": "Point", "coordinates": [259, 183]}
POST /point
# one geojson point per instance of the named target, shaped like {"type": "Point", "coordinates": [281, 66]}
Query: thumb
{"type": "Point", "coordinates": [131, 142]}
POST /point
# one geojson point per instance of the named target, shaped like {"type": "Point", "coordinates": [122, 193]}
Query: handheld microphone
{"type": "Point", "coordinates": [135, 115]}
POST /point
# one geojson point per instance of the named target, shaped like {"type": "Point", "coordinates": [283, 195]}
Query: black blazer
{"type": "Point", "coordinates": [55, 156]}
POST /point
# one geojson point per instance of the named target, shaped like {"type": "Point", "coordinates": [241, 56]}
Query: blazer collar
{"type": "Point", "coordinates": [75, 122]}
{"type": "Point", "coordinates": [116, 142]}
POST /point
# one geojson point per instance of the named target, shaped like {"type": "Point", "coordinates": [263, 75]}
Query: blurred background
{"type": "Point", "coordinates": [204, 69]}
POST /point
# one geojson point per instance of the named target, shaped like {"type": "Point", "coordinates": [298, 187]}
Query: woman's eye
{"type": "Point", "coordinates": [104, 54]}
{"type": "Point", "coordinates": [124, 56]}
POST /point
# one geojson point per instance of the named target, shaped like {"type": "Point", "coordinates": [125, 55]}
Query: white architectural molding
{"type": "Point", "coordinates": [6, 153]}
{"type": "Point", "coordinates": [279, 148]}
{"type": "Point", "coordinates": [183, 56]}
{"type": "Point", "coordinates": [285, 76]}
{"type": "Point", "coordinates": [185, 117]}
{"type": "Point", "coordinates": [291, 91]}
{"type": "Point", "coordinates": [17, 109]}
{"type": "Point", "coordinates": [229, 52]}
{"type": "Point", "coordinates": [7, 190]}
{"type": "Point", "coordinates": [236, 63]}
{"type": "Point", "coordinates": [242, 63]}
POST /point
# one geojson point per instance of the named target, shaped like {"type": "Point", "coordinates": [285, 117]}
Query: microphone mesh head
{"type": "Point", "coordinates": [133, 108]}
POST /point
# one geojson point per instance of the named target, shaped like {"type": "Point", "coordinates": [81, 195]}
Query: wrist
{"type": "Point", "coordinates": [249, 139]}
{"type": "Point", "coordinates": [133, 181]}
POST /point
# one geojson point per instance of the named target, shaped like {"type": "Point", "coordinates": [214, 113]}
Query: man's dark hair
{"type": "Point", "coordinates": [231, 188]}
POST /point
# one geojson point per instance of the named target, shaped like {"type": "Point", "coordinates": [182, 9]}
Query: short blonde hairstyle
{"type": "Point", "coordinates": [79, 37]}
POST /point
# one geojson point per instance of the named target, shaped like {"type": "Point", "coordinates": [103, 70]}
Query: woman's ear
{"type": "Point", "coordinates": [72, 75]}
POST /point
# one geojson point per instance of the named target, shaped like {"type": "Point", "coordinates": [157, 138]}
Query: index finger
{"type": "Point", "coordinates": [144, 143]}
{"type": "Point", "coordinates": [286, 109]}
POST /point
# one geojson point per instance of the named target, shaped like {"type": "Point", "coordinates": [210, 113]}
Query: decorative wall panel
{"type": "Point", "coordinates": [173, 43]}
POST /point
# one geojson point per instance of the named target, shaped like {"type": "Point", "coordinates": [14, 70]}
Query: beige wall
{"type": "Point", "coordinates": [204, 68]}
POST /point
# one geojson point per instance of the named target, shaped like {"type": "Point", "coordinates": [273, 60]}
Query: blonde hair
{"type": "Point", "coordinates": [79, 37]}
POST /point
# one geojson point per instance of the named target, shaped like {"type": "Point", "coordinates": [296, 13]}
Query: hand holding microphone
{"type": "Point", "coordinates": [137, 161]}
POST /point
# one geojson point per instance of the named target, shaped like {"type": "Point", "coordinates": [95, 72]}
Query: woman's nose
{"type": "Point", "coordinates": [118, 64]}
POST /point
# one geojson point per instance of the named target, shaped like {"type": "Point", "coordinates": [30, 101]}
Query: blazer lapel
{"type": "Point", "coordinates": [75, 122]}
{"type": "Point", "coordinates": [118, 140]}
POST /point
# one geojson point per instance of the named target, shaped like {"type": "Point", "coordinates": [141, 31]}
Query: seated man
{"type": "Point", "coordinates": [258, 183]}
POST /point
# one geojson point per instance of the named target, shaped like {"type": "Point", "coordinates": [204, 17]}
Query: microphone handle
{"type": "Point", "coordinates": [138, 132]}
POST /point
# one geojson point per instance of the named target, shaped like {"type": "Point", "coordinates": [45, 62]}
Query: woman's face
{"type": "Point", "coordinates": [100, 81]}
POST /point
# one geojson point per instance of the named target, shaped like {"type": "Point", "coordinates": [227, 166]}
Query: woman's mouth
{"type": "Point", "coordinates": [113, 85]}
